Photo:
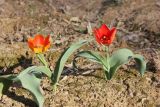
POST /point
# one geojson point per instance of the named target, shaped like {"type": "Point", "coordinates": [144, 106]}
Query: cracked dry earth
{"type": "Point", "coordinates": [138, 27]}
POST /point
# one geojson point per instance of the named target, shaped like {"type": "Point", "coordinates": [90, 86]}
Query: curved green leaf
{"type": "Point", "coordinates": [118, 58]}
{"type": "Point", "coordinates": [43, 69]}
{"type": "Point", "coordinates": [94, 56]}
{"type": "Point", "coordinates": [121, 57]}
{"type": "Point", "coordinates": [5, 82]}
{"type": "Point", "coordinates": [63, 58]}
{"type": "Point", "coordinates": [9, 76]}
{"type": "Point", "coordinates": [141, 63]}
{"type": "Point", "coordinates": [4, 85]}
{"type": "Point", "coordinates": [37, 70]}
{"type": "Point", "coordinates": [30, 82]}
{"type": "Point", "coordinates": [29, 79]}
{"type": "Point", "coordinates": [27, 70]}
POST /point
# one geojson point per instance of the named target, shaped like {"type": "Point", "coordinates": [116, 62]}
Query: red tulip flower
{"type": "Point", "coordinates": [39, 43]}
{"type": "Point", "coordinates": [104, 35]}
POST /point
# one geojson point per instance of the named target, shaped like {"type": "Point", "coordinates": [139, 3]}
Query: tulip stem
{"type": "Point", "coordinates": [42, 59]}
{"type": "Point", "coordinates": [108, 54]}
{"type": "Point", "coordinates": [108, 51]}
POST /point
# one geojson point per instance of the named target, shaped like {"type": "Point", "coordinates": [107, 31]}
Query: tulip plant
{"type": "Point", "coordinates": [30, 78]}
{"type": "Point", "coordinates": [110, 63]}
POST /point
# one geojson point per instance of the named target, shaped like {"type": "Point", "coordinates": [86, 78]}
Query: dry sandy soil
{"type": "Point", "coordinates": [138, 24]}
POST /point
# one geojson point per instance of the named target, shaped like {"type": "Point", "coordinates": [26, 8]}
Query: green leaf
{"type": "Point", "coordinates": [5, 82]}
{"type": "Point", "coordinates": [118, 58]}
{"type": "Point", "coordinates": [93, 56]}
{"type": "Point", "coordinates": [122, 56]}
{"type": "Point", "coordinates": [63, 58]}
{"type": "Point", "coordinates": [43, 69]}
{"type": "Point", "coordinates": [37, 70]}
{"type": "Point", "coordinates": [42, 59]}
{"type": "Point", "coordinates": [4, 85]}
{"type": "Point", "coordinates": [9, 77]}
{"type": "Point", "coordinates": [30, 81]}
{"type": "Point", "coordinates": [141, 63]}
{"type": "Point", "coordinates": [27, 70]}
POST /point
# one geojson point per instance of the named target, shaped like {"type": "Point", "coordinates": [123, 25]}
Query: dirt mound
{"type": "Point", "coordinates": [137, 15]}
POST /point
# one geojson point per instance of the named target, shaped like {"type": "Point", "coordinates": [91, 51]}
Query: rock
{"type": "Point", "coordinates": [75, 19]}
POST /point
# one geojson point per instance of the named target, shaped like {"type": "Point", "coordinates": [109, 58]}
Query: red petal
{"type": "Point", "coordinates": [39, 40]}
{"type": "Point", "coordinates": [97, 35]}
{"type": "Point", "coordinates": [104, 30]}
{"type": "Point", "coordinates": [30, 43]}
{"type": "Point", "coordinates": [112, 34]}
{"type": "Point", "coordinates": [47, 41]}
